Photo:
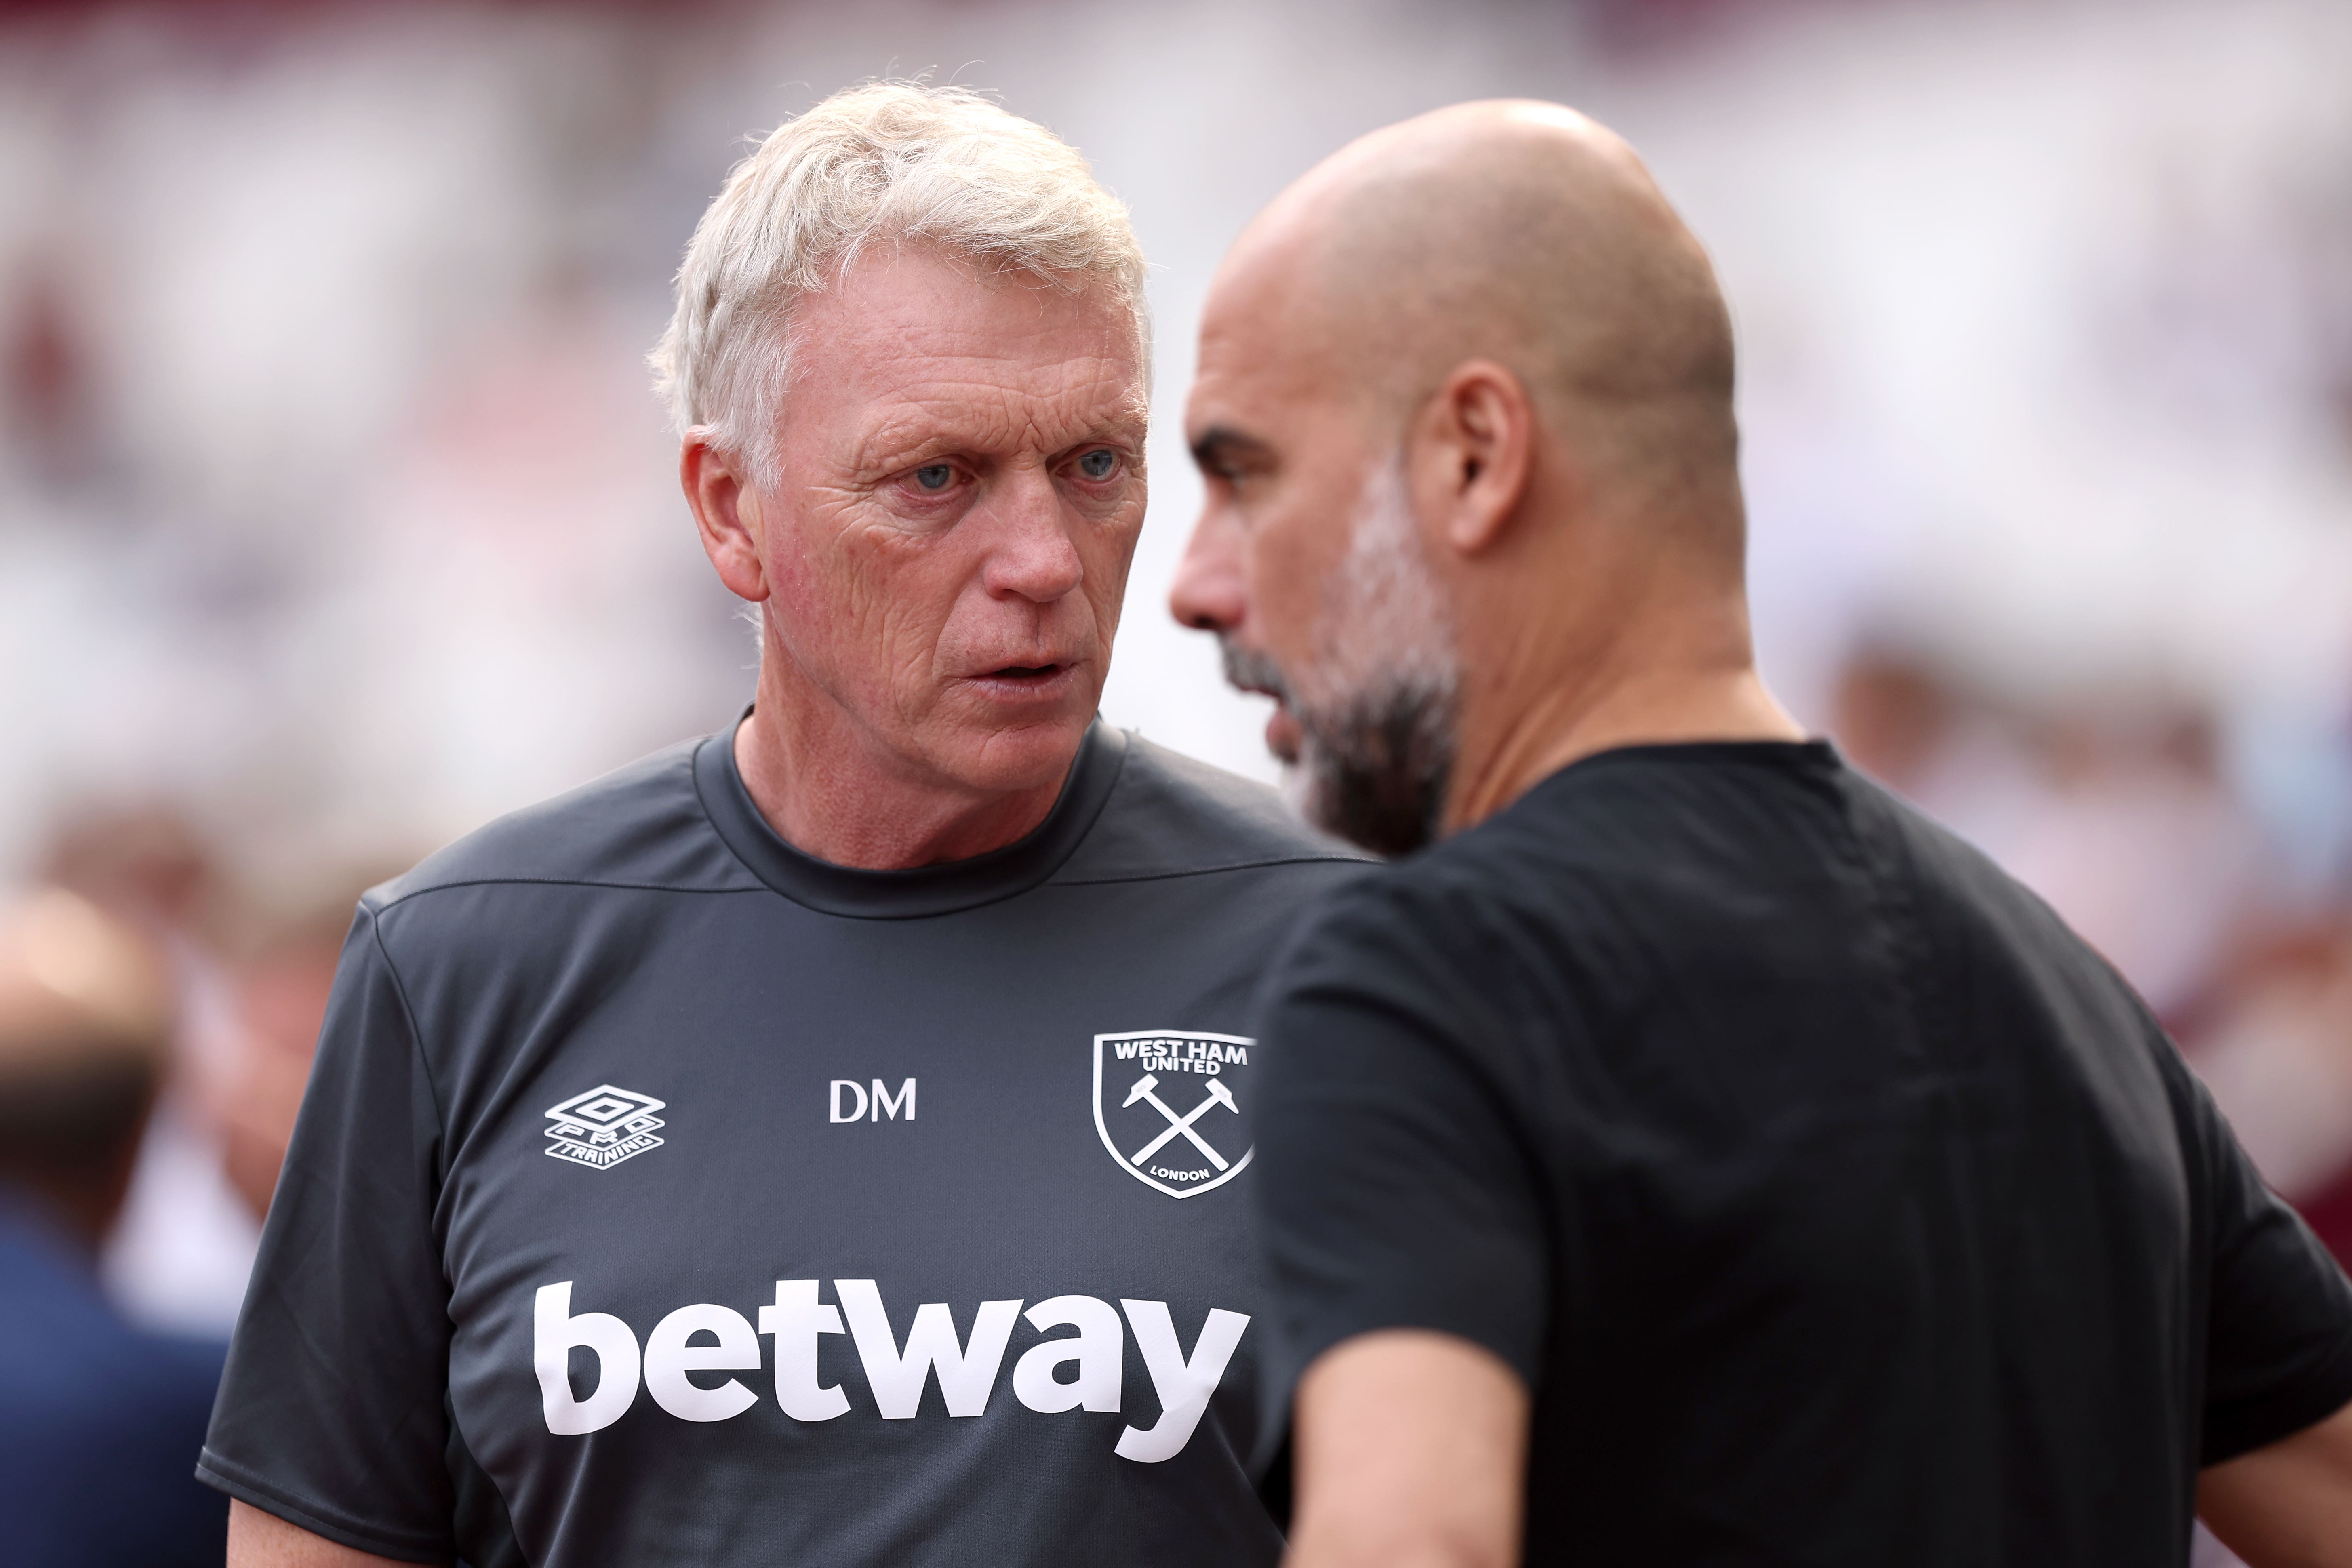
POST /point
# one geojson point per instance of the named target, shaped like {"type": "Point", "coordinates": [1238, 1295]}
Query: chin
{"type": "Point", "coordinates": [1024, 754]}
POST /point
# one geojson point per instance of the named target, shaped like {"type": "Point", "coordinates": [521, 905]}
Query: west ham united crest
{"type": "Point", "coordinates": [1170, 1107]}
{"type": "Point", "coordinates": [603, 1127]}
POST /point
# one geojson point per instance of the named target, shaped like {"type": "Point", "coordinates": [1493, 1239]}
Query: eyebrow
{"type": "Point", "coordinates": [1220, 450]}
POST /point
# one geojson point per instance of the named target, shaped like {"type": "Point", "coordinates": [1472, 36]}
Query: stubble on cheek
{"type": "Point", "coordinates": [1291, 604]}
{"type": "Point", "coordinates": [1375, 702]}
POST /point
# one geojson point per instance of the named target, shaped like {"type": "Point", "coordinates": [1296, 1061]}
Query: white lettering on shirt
{"type": "Point", "coordinates": [796, 1319]}
{"type": "Point", "coordinates": [554, 1332]}
{"type": "Point", "coordinates": [1207, 1058]}
{"type": "Point", "coordinates": [1183, 1384]}
{"type": "Point", "coordinates": [1099, 1348]}
{"type": "Point", "coordinates": [670, 1356]}
{"type": "Point", "coordinates": [966, 1372]}
{"type": "Point", "coordinates": [895, 1375]}
{"type": "Point", "coordinates": [881, 1100]}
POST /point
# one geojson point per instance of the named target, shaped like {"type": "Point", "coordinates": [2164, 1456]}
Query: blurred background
{"type": "Point", "coordinates": [336, 516]}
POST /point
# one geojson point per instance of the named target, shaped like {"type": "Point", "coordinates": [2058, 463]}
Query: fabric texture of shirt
{"type": "Point", "coordinates": [664, 1195]}
{"type": "Point", "coordinates": [1837, 1203]}
{"type": "Point", "coordinates": [99, 1421]}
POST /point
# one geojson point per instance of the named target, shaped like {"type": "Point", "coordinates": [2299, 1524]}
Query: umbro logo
{"type": "Point", "coordinates": [603, 1127]}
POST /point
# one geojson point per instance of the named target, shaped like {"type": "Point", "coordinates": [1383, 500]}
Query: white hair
{"type": "Point", "coordinates": [892, 160]}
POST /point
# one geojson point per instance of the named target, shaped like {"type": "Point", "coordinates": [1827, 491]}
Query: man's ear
{"type": "Point", "coordinates": [727, 514]}
{"type": "Point", "coordinates": [1473, 453]}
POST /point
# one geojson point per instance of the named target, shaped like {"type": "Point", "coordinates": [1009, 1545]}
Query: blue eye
{"type": "Point", "coordinates": [935, 475]}
{"type": "Point", "coordinates": [1099, 464]}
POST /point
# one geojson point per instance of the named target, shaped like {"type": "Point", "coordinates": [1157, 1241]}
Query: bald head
{"type": "Point", "coordinates": [1463, 410]}
{"type": "Point", "coordinates": [1514, 231]}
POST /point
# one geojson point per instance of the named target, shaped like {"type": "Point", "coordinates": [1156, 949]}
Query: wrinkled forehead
{"type": "Point", "coordinates": [998, 394]}
{"type": "Point", "coordinates": [923, 341]}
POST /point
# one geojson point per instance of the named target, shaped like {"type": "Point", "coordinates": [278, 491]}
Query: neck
{"type": "Point", "coordinates": [831, 790]}
{"type": "Point", "coordinates": [1639, 687]}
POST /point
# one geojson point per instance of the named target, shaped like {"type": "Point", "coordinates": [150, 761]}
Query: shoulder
{"type": "Point", "coordinates": [1430, 904]}
{"type": "Point", "coordinates": [1169, 816]}
{"type": "Point", "coordinates": [641, 825]}
{"type": "Point", "coordinates": [1967, 902]}
{"type": "Point", "coordinates": [1540, 887]}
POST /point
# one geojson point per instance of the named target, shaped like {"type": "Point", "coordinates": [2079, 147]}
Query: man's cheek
{"type": "Point", "coordinates": [886, 582]}
{"type": "Point", "coordinates": [1104, 602]}
{"type": "Point", "coordinates": [1106, 568]}
{"type": "Point", "coordinates": [815, 565]}
{"type": "Point", "coordinates": [1286, 587]}
{"type": "Point", "coordinates": [899, 648]}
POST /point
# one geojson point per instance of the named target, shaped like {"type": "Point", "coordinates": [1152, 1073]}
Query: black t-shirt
{"type": "Point", "coordinates": [663, 1195]}
{"type": "Point", "coordinates": [1838, 1203]}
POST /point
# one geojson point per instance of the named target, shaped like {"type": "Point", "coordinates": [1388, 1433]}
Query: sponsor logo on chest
{"type": "Point", "coordinates": [1055, 1375]}
{"type": "Point", "coordinates": [1170, 1107]}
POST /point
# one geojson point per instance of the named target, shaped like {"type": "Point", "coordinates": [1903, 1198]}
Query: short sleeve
{"type": "Point", "coordinates": [2279, 1335]}
{"type": "Point", "coordinates": [331, 1412]}
{"type": "Point", "coordinates": [1396, 1189]}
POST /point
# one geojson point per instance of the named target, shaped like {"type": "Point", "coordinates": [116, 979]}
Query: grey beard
{"type": "Point", "coordinates": [1377, 721]}
{"type": "Point", "coordinates": [1377, 769]}
{"type": "Point", "coordinates": [1246, 669]}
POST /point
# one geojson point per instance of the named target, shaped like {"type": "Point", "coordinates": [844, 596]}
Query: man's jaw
{"type": "Point", "coordinates": [1378, 768]}
{"type": "Point", "coordinates": [1372, 766]}
{"type": "Point", "coordinates": [1249, 671]}
{"type": "Point", "coordinates": [1282, 735]}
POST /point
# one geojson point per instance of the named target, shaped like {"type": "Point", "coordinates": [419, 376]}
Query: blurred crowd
{"type": "Point", "coordinates": [335, 517]}
{"type": "Point", "coordinates": [250, 969]}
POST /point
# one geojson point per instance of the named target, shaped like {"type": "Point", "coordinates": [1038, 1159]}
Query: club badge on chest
{"type": "Point", "coordinates": [1169, 1105]}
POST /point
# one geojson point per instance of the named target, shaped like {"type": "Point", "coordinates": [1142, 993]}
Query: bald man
{"type": "Point", "coordinates": [1697, 1156]}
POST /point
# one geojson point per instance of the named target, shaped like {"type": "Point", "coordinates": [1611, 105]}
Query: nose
{"type": "Point", "coordinates": [1032, 555]}
{"type": "Point", "coordinates": [1208, 594]}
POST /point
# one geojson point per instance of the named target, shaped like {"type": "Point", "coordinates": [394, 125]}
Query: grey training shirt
{"type": "Point", "coordinates": [663, 1195]}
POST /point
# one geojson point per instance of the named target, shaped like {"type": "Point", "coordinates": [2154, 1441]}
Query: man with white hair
{"type": "Point", "coordinates": [826, 1141]}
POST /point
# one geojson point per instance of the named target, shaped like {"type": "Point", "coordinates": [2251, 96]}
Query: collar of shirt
{"type": "Point", "coordinates": [924, 890]}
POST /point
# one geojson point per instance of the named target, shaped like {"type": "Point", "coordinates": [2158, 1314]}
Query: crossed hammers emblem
{"type": "Point", "coordinates": [1144, 1090]}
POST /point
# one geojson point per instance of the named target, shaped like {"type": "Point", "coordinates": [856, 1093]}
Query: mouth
{"type": "Point", "coordinates": [1282, 735]}
{"type": "Point", "coordinates": [1249, 671]}
{"type": "Point", "coordinates": [1028, 682]}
